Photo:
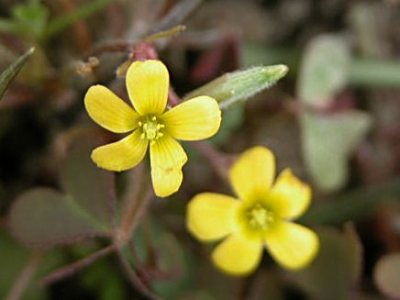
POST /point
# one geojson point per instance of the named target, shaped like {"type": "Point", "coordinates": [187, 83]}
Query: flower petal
{"type": "Point", "coordinates": [147, 84]}
{"type": "Point", "coordinates": [121, 155]}
{"type": "Point", "coordinates": [195, 119]}
{"type": "Point", "coordinates": [252, 174]}
{"type": "Point", "coordinates": [211, 216]}
{"type": "Point", "coordinates": [292, 245]}
{"type": "Point", "coordinates": [167, 159]}
{"type": "Point", "coordinates": [109, 111]}
{"type": "Point", "coordinates": [237, 255]}
{"type": "Point", "coordinates": [290, 196]}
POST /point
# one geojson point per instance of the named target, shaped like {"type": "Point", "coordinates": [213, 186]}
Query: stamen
{"type": "Point", "coordinates": [260, 217]}
{"type": "Point", "coordinates": [151, 129]}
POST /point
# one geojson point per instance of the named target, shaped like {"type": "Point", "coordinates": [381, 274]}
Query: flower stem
{"type": "Point", "coordinates": [73, 268]}
{"type": "Point", "coordinates": [25, 277]}
{"type": "Point", "coordinates": [134, 278]}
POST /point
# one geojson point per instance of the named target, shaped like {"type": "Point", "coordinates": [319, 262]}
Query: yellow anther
{"type": "Point", "coordinates": [259, 217]}
{"type": "Point", "coordinates": [151, 129]}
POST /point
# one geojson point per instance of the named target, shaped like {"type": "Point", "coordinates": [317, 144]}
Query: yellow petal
{"type": "Point", "coordinates": [292, 245]}
{"type": "Point", "coordinates": [109, 111]}
{"type": "Point", "coordinates": [167, 159]}
{"type": "Point", "coordinates": [147, 84]}
{"type": "Point", "coordinates": [121, 155]}
{"type": "Point", "coordinates": [195, 119]}
{"type": "Point", "coordinates": [252, 174]}
{"type": "Point", "coordinates": [290, 196]}
{"type": "Point", "coordinates": [211, 216]}
{"type": "Point", "coordinates": [237, 255]}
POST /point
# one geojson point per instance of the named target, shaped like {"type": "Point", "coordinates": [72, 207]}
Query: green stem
{"type": "Point", "coordinates": [368, 72]}
{"type": "Point", "coordinates": [363, 72]}
{"type": "Point", "coordinates": [24, 278]}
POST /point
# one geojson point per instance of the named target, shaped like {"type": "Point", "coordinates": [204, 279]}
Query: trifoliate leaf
{"type": "Point", "coordinates": [387, 275]}
{"type": "Point", "coordinates": [336, 268]}
{"type": "Point", "coordinates": [328, 141]}
{"type": "Point", "coordinates": [324, 70]}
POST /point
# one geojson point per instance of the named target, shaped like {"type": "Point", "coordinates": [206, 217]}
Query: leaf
{"type": "Point", "coordinates": [387, 275]}
{"type": "Point", "coordinates": [13, 259]}
{"type": "Point", "coordinates": [8, 75]}
{"type": "Point", "coordinates": [335, 269]}
{"type": "Point", "coordinates": [232, 119]}
{"type": "Point", "coordinates": [97, 278]}
{"type": "Point", "coordinates": [160, 252]}
{"type": "Point", "coordinates": [324, 70]}
{"type": "Point", "coordinates": [45, 217]}
{"type": "Point", "coordinates": [328, 141]}
{"type": "Point", "coordinates": [354, 205]}
{"type": "Point", "coordinates": [90, 186]}
{"type": "Point", "coordinates": [240, 85]}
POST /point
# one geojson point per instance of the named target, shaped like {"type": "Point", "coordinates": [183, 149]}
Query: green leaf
{"type": "Point", "coordinates": [328, 141]}
{"type": "Point", "coordinates": [240, 85]}
{"type": "Point", "coordinates": [153, 240]}
{"type": "Point", "coordinates": [387, 275]}
{"type": "Point", "coordinates": [8, 75]}
{"type": "Point", "coordinates": [62, 22]}
{"type": "Point", "coordinates": [93, 188]}
{"type": "Point", "coordinates": [354, 205]}
{"type": "Point", "coordinates": [97, 278]}
{"type": "Point", "coordinates": [324, 70]}
{"type": "Point", "coordinates": [45, 217]}
{"type": "Point", "coordinates": [336, 268]}
{"type": "Point", "coordinates": [13, 259]}
{"type": "Point", "coordinates": [232, 119]}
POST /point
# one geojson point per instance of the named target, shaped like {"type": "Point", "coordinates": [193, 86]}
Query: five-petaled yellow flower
{"type": "Point", "coordinates": [150, 124]}
{"type": "Point", "coordinates": [262, 217]}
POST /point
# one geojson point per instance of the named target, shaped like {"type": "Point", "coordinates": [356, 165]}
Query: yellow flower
{"type": "Point", "coordinates": [261, 218]}
{"type": "Point", "coordinates": [150, 125]}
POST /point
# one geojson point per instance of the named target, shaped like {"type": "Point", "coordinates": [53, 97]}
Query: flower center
{"type": "Point", "coordinates": [259, 217]}
{"type": "Point", "coordinates": [151, 129]}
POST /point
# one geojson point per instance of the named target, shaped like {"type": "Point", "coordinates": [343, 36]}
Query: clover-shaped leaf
{"type": "Point", "coordinates": [335, 269]}
{"type": "Point", "coordinates": [387, 275]}
{"type": "Point", "coordinates": [328, 141]}
{"type": "Point", "coordinates": [47, 217]}
{"type": "Point", "coordinates": [324, 70]}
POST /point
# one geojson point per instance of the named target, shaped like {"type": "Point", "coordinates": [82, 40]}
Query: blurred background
{"type": "Point", "coordinates": [334, 119]}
